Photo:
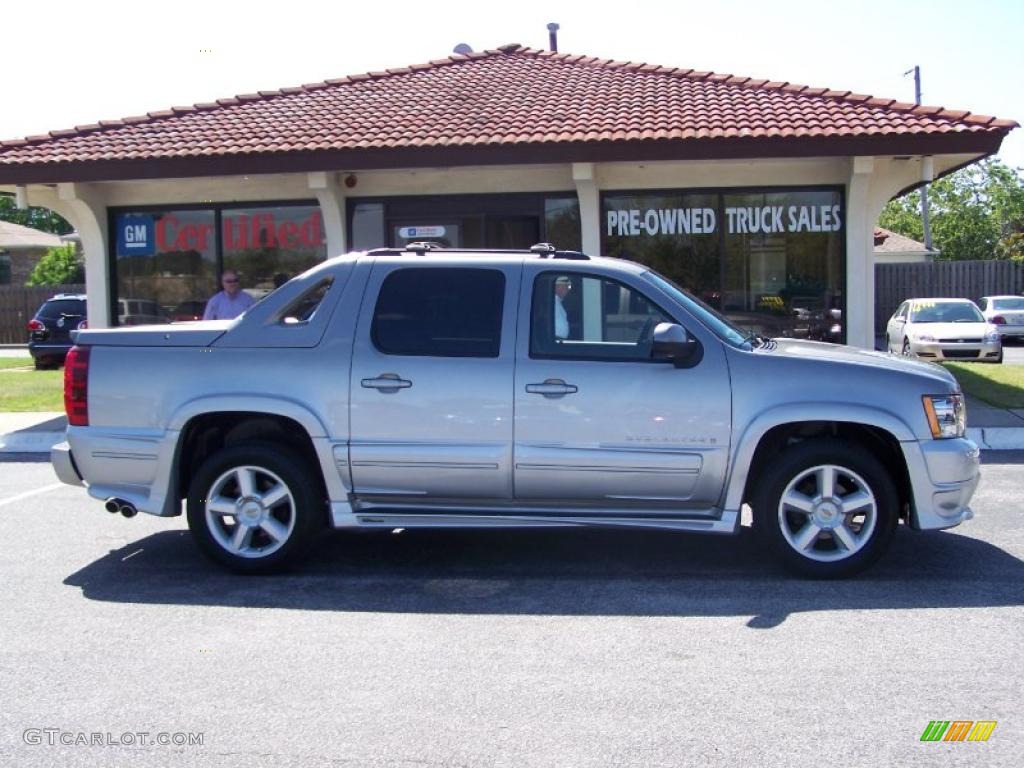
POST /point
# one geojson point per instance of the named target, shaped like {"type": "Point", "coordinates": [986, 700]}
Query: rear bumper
{"type": "Point", "coordinates": [44, 349]}
{"type": "Point", "coordinates": [1011, 331]}
{"type": "Point", "coordinates": [944, 475]}
{"type": "Point", "coordinates": [64, 464]}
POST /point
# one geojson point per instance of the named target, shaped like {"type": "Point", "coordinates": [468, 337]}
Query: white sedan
{"type": "Point", "coordinates": [1006, 313]}
{"type": "Point", "coordinates": [943, 329]}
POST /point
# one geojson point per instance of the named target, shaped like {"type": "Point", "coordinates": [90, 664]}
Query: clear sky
{"type": "Point", "coordinates": [72, 63]}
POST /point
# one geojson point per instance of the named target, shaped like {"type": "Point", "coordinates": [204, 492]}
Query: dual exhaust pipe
{"type": "Point", "coordinates": [126, 508]}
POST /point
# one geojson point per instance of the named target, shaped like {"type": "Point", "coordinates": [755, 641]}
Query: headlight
{"type": "Point", "coordinates": [924, 337]}
{"type": "Point", "coordinates": [947, 415]}
{"type": "Point", "coordinates": [991, 336]}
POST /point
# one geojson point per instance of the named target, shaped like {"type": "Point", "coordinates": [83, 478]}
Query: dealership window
{"type": "Point", "coordinates": [167, 261]}
{"type": "Point", "coordinates": [771, 260]}
{"type": "Point", "coordinates": [269, 246]}
{"type": "Point", "coordinates": [466, 221]}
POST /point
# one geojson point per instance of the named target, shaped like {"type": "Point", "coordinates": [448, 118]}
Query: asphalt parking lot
{"type": "Point", "coordinates": [574, 648]}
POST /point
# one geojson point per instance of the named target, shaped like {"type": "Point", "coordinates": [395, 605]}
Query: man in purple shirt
{"type": "Point", "coordinates": [229, 303]}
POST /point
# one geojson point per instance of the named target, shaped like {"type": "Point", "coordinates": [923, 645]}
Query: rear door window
{"type": "Point", "coordinates": [440, 312]}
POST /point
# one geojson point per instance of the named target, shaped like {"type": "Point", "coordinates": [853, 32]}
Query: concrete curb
{"type": "Point", "coordinates": [30, 442]}
{"type": "Point", "coordinates": [997, 438]}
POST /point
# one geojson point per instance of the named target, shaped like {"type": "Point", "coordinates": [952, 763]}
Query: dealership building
{"type": "Point", "coordinates": [759, 197]}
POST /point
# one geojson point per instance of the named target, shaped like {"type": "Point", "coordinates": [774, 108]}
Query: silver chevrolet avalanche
{"type": "Point", "coordinates": [430, 388]}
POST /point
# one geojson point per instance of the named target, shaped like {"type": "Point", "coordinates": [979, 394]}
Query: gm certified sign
{"type": "Point", "coordinates": [136, 235]}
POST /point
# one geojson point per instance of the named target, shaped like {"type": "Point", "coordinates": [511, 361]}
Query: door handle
{"type": "Point", "coordinates": [552, 388]}
{"type": "Point", "coordinates": [387, 382]}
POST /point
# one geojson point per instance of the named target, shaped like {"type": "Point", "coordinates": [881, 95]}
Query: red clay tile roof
{"type": "Point", "coordinates": [887, 241]}
{"type": "Point", "coordinates": [513, 105]}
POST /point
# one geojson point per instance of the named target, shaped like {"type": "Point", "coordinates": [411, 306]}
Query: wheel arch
{"type": "Point", "coordinates": [205, 431]}
{"type": "Point", "coordinates": [879, 431]}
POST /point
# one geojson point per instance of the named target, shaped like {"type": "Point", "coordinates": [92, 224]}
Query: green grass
{"type": "Point", "coordinates": [22, 388]}
{"type": "Point", "coordinates": [998, 385]}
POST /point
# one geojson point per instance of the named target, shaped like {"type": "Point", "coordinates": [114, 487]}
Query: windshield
{"type": "Point", "coordinates": [711, 318]}
{"type": "Point", "coordinates": [1008, 303]}
{"type": "Point", "coordinates": [946, 312]}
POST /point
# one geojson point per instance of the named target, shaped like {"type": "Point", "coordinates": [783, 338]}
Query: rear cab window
{"type": "Point", "coordinates": [440, 312]}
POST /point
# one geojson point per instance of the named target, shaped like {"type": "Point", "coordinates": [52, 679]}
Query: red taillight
{"type": "Point", "coordinates": [76, 386]}
{"type": "Point", "coordinates": [83, 325]}
{"type": "Point", "coordinates": [35, 325]}
{"type": "Point", "coordinates": [998, 320]}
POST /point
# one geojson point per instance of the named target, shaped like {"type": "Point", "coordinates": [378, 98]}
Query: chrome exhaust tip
{"type": "Point", "coordinates": [113, 506]}
{"type": "Point", "coordinates": [128, 510]}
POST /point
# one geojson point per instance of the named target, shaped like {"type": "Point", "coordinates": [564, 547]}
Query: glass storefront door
{"type": "Point", "coordinates": [466, 221]}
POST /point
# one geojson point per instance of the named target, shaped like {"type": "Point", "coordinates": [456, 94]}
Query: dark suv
{"type": "Point", "coordinates": [50, 330]}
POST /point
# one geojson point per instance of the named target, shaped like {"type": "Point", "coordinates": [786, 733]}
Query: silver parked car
{"type": "Point", "coordinates": [424, 388]}
{"type": "Point", "coordinates": [943, 329]}
{"type": "Point", "coordinates": [1006, 313]}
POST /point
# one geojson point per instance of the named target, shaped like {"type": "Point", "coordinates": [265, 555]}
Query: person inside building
{"type": "Point", "coordinates": [562, 287]}
{"type": "Point", "coordinates": [229, 303]}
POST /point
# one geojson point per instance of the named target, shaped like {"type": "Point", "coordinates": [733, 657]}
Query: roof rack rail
{"type": "Point", "coordinates": [548, 251]}
{"type": "Point", "coordinates": [423, 245]}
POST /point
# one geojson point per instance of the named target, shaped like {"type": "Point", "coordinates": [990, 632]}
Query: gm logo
{"type": "Point", "coordinates": [958, 730]}
{"type": "Point", "coordinates": [136, 235]}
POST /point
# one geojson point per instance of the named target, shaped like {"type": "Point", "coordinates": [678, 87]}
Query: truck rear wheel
{"type": "Point", "coordinates": [254, 507]}
{"type": "Point", "coordinates": [826, 508]}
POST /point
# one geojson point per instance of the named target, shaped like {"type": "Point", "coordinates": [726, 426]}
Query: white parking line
{"type": "Point", "coordinates": [27, 494]}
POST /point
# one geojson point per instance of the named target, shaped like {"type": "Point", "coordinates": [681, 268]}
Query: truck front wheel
{"type": "Point", "coordinates": [826, 508]}
{"type": "Point", "coordinates": [253, 507]}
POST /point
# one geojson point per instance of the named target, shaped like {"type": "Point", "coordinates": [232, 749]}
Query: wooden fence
{"type": "Point", "coordinates": [18, 305]}
{"type": "Point", "coordinates": [895, 283]}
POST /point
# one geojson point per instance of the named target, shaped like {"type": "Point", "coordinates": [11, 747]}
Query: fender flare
{"type": "Point", "coordinates": [746, 445]}
{"type": "Point", "coordinates": [276, 406]}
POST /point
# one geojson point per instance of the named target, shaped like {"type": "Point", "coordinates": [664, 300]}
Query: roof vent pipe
{"type": "Point", "coordinates": [553, 36]}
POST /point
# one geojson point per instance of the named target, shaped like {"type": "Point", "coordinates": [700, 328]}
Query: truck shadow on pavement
{"type": "Point", "coordinates": [560, 572]}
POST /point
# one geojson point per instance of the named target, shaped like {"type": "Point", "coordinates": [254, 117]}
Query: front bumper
{"type": "Point", "coordinates": [938, 350]}
{"type": "Point", "coordinates": [943, 476]}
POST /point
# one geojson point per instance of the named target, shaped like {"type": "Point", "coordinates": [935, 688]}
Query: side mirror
{"type": "Point", "coordinates": [673, 344]}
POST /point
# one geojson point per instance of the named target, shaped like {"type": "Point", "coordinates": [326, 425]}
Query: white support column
{"type": "Point", "coordinates": [860, 263]}
{"type": "Point", "coordinates": [83, 206]}
{"type": "Point", "coordinates": [332, 206]}
{"type": "Point", "coordinates": [590, 207]}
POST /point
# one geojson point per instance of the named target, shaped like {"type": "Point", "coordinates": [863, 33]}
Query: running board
{"type": "Point", "coordinates": [727, 523]}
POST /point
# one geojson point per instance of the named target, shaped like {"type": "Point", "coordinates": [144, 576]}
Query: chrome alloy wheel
{"type": "Point", "coordinates": [827, 513]}
{"type": "Point", "coordinates": [250, 511]}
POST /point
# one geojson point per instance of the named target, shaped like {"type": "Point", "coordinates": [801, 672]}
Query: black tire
{"type": "Point", "coordinates": [852, 469]}
{"type": "Point", "coordinates": [906, 348]}
{"type": "Point", "coordinates": [294, 520]}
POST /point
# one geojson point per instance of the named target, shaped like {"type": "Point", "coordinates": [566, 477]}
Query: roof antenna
{"type": "Point", "coordinates": [553, 36]}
